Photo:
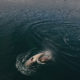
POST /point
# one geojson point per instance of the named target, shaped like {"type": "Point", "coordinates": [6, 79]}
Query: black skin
{"type": "Point", "coordinates": [22, 30]}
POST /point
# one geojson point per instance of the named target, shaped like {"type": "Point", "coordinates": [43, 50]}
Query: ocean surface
{"type": "Point", "coordinates": [53, 25]}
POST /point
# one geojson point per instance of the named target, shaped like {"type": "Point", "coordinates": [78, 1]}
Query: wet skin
{"type": "Point", "coordinates": [41, 58]}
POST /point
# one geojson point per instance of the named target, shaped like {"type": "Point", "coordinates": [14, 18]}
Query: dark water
{"type": "Point", "coordinates": [23, 29]}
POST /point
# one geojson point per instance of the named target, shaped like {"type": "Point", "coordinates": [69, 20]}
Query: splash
{"type": "Point", "coordinates": [37, 64]}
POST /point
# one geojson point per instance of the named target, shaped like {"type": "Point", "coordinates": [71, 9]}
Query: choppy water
{"type": "Point", "coordinates": [24, 29]}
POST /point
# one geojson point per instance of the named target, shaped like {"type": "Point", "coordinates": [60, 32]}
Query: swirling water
{"type": "Point", "coordinates": [25, 29]}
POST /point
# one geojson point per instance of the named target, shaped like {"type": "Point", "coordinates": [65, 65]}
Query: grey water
{"type": "Point", "coordinates": [55, 27]}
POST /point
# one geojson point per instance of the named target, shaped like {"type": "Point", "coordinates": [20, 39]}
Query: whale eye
{"type": "Point", "coordinates": [32, 59]}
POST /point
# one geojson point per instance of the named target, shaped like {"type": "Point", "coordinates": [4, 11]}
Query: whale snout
{"type": "Point", "coordinates": [40, 58]}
